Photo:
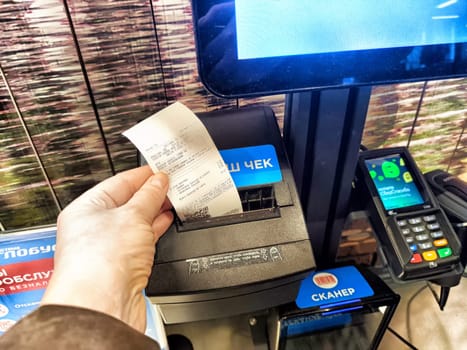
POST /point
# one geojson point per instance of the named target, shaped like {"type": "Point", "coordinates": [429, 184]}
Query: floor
{"type": "Point", "coordinates": [418, 319]}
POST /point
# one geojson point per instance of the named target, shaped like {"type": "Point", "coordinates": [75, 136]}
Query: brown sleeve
{"type": "Point", "coordinates": [64, 327]}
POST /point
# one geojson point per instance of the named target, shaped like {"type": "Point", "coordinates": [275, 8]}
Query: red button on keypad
{"type": "Point", "coordinates": [416, 259]}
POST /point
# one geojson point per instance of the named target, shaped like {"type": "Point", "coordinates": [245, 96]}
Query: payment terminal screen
{"type": "Point", "coordinates": [394, 182]}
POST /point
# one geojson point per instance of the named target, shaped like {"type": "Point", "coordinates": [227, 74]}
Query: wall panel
{"type": "Point", "coordinates": [174, 26]}
{"type": "Point", "coordinates": [440, 125]}
{"type": "Point", "coordinates": [429, 118]}
{"type": "Point", "coordinates": [38, 56]}
{"type": "Point", "coordinates": [25, 198]}
{"type": "Point", "coordinates": [118, 43]}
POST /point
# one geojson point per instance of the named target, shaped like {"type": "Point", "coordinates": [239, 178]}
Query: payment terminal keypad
{"type": "Point", "coordinates": [414, 232]}
{"type": "Point", "coordinates": [425, 238]}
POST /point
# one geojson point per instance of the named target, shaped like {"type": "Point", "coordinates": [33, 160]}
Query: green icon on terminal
{"type": "Point", "coordinates": [390, 170]}
{"type": "Point", "coordinates": [407, 177]}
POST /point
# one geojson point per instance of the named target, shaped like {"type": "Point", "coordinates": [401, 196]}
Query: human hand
{"type": "Point", "coordinates": [106, 244]}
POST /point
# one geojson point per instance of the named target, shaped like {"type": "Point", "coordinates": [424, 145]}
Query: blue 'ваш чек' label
{"type": "Point", "coordinates": [252, 166]}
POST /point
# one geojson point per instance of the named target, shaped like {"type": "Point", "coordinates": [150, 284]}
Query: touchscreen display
{"type": "Point", "coordinates": [263, 47]}
{"type": "Point", "coordinates": [394, 182]}
{"type": "Point", "coordinates": [268, 28]}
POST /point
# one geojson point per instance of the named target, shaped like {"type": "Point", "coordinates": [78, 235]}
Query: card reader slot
{"type": "Point", "coordinates": [258, 203]}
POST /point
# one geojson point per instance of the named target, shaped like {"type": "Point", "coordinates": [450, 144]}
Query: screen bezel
{"type": "Point", "coordinates": [265, 76]}
{"type": "Point", "coordinates": [411, 168]}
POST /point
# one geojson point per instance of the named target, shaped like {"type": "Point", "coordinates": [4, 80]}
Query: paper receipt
{"type": "Point", "coordinates": [175, 142]}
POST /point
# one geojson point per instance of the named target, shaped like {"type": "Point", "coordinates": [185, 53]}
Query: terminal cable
{"type": "Point", "coordinates": [407, 313]}
{"type": "Point", "coordinates": [402, 339]}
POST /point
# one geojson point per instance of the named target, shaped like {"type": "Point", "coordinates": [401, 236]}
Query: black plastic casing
{"type": "Point", "coordinates": [384, 222]}
{"type": "Point", "coordinates": [187, 289]}
{"type": "Point", "coordinates": [451, 193]}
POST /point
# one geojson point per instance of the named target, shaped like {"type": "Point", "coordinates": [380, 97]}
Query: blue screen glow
{"type": "Point", "coordinates": [274, 28]}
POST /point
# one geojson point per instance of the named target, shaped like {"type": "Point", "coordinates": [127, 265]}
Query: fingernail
{"type": "Point", "coordinates": [160, 180]}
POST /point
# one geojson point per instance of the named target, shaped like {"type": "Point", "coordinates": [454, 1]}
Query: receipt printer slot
{"type": "Point", "coordinates": [258, 199]}
{"type": "Point", "coordinates": [257, 204]}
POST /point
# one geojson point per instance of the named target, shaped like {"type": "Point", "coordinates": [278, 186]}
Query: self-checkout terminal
{"type": "Point", "coordinates": [263, 259]}
{"type": "Point", "coordinates": [261, 262]}
{"type": "Point", "coordinates": [239, 263]}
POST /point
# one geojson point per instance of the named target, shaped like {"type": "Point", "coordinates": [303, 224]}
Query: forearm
{"type": "Point", "coordinates": [62, 327]}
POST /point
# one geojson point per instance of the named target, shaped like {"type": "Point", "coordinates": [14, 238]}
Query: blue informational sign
{"type": "Point", "coordinates": [334, 286]}
{"type": "Point", "coordinates": [26, 265]}
{"type": "Point", "coordinates": [252, 166]}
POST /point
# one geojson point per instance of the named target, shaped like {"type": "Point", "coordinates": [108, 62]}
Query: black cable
{"type": "Point", "coordinates": [401, 338]}
{"type": "Point", "coordinates": [407, 313]}
{"type": "Point", "coordinates": [458, 147]}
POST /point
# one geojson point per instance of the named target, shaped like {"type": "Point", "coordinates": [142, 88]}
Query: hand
{"type": "Point", "coordinates": [106, 244]}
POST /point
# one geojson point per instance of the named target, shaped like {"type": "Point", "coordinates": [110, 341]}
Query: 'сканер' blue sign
{"type": "Point", "coordinates": [332, 286]}
{"type": "Point", "coordinates": [252, 166]}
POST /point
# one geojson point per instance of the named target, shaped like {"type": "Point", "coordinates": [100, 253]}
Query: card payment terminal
{"type": "Point", "coordinates": [415, 234]}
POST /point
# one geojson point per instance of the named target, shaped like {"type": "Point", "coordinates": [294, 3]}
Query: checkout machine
{"type": "Point", "coordinates": [275, 261]}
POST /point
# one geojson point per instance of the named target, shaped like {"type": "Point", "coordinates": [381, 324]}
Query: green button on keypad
{"type": "Point", "coordinates": [444, 252]}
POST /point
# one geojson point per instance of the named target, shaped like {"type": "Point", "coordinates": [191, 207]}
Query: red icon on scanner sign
{"type": "Point", "coordinates": [325, 280]}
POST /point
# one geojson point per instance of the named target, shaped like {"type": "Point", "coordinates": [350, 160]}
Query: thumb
{"type": "Point", "coordinates": [148, 200]}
